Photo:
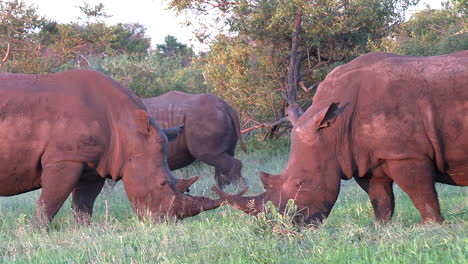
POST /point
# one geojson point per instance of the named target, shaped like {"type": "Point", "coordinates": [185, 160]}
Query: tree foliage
{"type": "Point", "coordinates": [169, 67]}
{"type": "Point", "coordinates": [173, 48]}
{"type": "Point", "coordinates": [19, 50]}
{"type": "Point", "coordinates": [429, 32]}
{"type": "Point", "coordinates": [267, 49]}
{"type": "Point", "coordinates": [435, 32]}
{"type": "Point", "coordinates": [33, 44]}
{"type": "Point", "coordinates": [130, 38]}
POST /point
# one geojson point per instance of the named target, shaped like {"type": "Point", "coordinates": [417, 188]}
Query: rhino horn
{"type": "Point", "coordinates": [183, 185]}
{"type": "Point", "coordinates": [271, 182]}
{"type": "Point", "coordinates": [250, 205]}
{"type": "Point", "coordinates": [192, 205]}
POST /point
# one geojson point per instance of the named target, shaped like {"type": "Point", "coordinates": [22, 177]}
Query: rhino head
{"type": "Point", "coordinates": [312, 176]}
{"type": "Point", "coordinates": [148, 182]}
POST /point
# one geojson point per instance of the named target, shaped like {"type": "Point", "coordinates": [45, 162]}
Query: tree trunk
{"type": "Point", "coordinates": [293, 111]}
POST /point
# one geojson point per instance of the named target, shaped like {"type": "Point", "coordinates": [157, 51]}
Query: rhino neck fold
{"type": "Point", "coordinates": [345, 138]}
{"type": "Point", "coordinates": [113, 161]}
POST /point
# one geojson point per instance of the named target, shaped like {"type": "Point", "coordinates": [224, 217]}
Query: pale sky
{"type": "Point", "coordinates": [153, 14]}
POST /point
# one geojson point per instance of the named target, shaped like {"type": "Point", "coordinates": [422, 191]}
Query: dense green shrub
{"type": "Point", "coordinates": [152, 75]}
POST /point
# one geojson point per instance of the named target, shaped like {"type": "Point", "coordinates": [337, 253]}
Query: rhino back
{"type": "Point", "coordinates": [212, 129]}
{"type": "Point", "coordinates": [169, 110]}
{"type": "Point", "coordinates": [402, 108]}
{"type": "Point", "coordinates": [208, 127]}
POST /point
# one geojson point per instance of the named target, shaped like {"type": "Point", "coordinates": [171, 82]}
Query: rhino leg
{"type": "Point", "coordinates": [84, 195]}
{"type": "Point", "coordinates": [58, 180]}
{"type": "Point", "coordinates": [227, 169]}
{"type": "Point", "coordinates": [220, 179]}
{"type": "Point", "coordinates": [380, 191]}
{"type": "Point", "coordinates": [416, 178]}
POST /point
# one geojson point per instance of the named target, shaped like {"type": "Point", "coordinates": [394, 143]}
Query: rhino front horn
{"type": "Point", "coordinates": [248, 204]}
{"type": "Point", "coordinates": [227, 197]}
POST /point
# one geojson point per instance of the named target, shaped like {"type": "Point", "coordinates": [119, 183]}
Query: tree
{"type": "Point", "coordinates": [67, 45]}
{"type": "Point", "coordinates": [32, 44]}
{"type": "Point", "coordinates": [157, 72]}
{"type": "Point", "coordinates": [172, 48]}
{"type": "Point", "coordinates": [130, 38]}
{"type": "Point", "coordinates": [94, 14]}
{"type": "Point", "coordinates": [435, 32]}
{"type": "Point", "coordinates": [286, 44]}
{"type": "Point", "coordinates": [18, 21]}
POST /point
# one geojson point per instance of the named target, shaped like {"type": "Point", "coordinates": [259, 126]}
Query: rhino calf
{"type": "Point", "coordinates": [66, 132]}
{"type": "Point", "coordinates": [210, 133]}
{"type": "Point", "coordinates": [380, 119]}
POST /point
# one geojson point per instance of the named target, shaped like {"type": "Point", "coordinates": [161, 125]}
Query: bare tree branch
{"type": "Point", "coordinates": [7, 52]}
{"type": "Point", "coordinates": [261, 125]}
{"type": "Point", "coordinates": [314, 68]}
{"type": "Point", "coordinates": [307, 90]}
{"type": "Point", "coordinates": [292, 75]}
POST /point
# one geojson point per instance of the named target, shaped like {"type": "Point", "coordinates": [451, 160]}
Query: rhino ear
{"type": "Point", "coordinates": [173, 132]}
{"type": "Point", "coordinates": [327, 116]}
{"type": "Point", "coordinates": [270, 182]}
{"type": "Point", "coordinates": [142, 121]}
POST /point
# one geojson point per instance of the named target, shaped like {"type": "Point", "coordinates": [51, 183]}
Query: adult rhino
{"type": "Point", "coordinates": [67, 132]}
{"type": "Point", "coordinates": [382, 118]}
{"type": "Point", "coordinates": [210, 133]}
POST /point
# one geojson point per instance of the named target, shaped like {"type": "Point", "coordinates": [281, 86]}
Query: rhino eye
{"type": "Point", "coordinates": [163, 184]}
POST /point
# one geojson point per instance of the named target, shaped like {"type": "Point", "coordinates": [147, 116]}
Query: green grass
{"type": "Point", "coordinates": [226, 235]}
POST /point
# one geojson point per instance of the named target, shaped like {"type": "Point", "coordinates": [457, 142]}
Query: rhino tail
{"type": "Point", "coordinates": [235, 120]}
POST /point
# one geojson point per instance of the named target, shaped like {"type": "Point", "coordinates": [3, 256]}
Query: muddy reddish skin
{"type": "Point", "coordinates": [67, 132]}
{"type": "Point", "coordinates": [380, 119]}
{"type": "Point", "coordinates": [210, 134]}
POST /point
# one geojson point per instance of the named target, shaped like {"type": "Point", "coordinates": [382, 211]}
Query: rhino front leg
{"type": "Point", "coordinates": [84, 195]}
{"type": "Point", "coordinates": [380, 191]}
{"type": "Point", "coordinates": [416, 178]}
{"type": "Point", "coordinates": [58, 180]}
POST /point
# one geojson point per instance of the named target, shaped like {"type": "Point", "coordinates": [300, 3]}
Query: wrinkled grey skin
{"type": "Point", "coordinates": [67, 132]}
{"type": "Point", "coordinates": [210, 134]}
{"type": "Point", "coordinates": [380, 119]}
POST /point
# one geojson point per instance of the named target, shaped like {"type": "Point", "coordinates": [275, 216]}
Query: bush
{"type": "Point", "coordinates": [152, 75]}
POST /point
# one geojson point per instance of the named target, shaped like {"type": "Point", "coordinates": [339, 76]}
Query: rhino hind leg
{"type": "Point", "coordinates": [416, 178]}
{"type": "Point", "coordinates": [380, 190]}
{"type": "Point", "coordinates": [227, 169]}
{"type": "Point", "coordinates": [84, 195]}
{"type": "Point", "coordinates": [58, 180]}
{"type": "Point", "coordinates": [220, 179]}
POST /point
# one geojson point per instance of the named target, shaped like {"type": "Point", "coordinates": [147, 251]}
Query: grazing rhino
{"type": "Point", "coordinates": [382, 118]}
{"type": "Point", "coordinates": [210, 133]}
{"type": "Point", "coordinates": [67, 132]}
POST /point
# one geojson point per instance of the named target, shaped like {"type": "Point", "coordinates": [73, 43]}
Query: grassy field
{"type": "Point", "coordinates": [226, 235]}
